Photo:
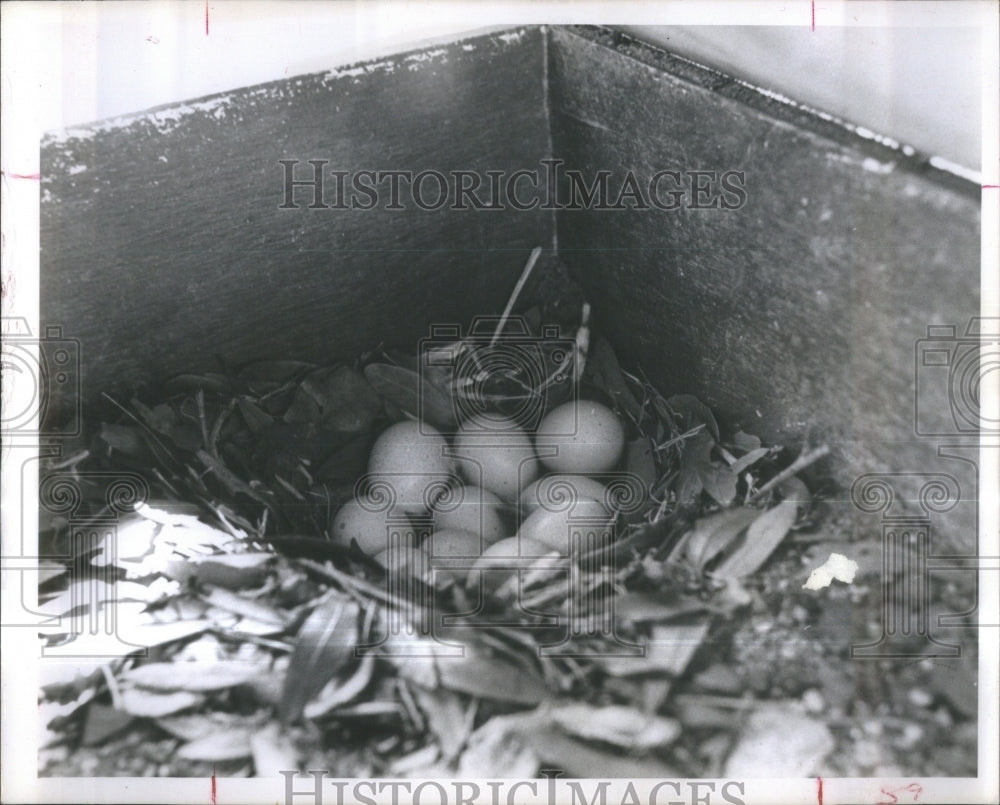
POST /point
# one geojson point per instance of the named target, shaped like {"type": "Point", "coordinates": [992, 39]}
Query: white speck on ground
{"type": "Point", "coordinates": [837, 567]}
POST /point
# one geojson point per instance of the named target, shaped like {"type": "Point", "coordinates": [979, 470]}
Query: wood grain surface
{"type": "Point", "coordinates": [164, 248]}
{"type": "Point", "coordinates": [795, 316]}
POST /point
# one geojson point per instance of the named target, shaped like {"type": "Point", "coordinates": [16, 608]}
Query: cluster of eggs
{"type": "Point", "coordinates": [468, 488]}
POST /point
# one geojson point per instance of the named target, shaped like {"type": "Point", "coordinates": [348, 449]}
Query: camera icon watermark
{"type": "Point", "coordinates": [501, 379]}
{"type": "Point", "coordinates": [41, 379]}
{"type": "Point", "coordinates": [956, 365]}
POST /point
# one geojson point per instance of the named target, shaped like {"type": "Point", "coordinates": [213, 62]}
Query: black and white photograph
{"type": "Point", "coordinates": [546, 403]}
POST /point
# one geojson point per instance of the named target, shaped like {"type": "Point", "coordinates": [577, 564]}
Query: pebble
{"type": "Point", "coordinates": [920, 697]}
{"type": "Point", "coordinates": [872, 727]}
{"type": "Point", "coordinates": [813, 701]}
{"type": "Point", "coordinates": [800, 614]}
{"type": "Point", "coordinates": [719, 678]}
{"type": "Point", "coordinates": [912, 734]}
{"type": "Point", "coordinates": [868, 754]}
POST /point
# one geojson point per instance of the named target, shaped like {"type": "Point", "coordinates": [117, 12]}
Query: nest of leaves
{"type": "Point", "coordinates": [257, 625]}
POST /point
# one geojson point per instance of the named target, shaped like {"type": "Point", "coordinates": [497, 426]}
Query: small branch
{"type": "Point", "coordinates": [113, 689]}
{"type": "Point", "coordinates": [532, 259]}
{"type": "Point", "coordinates": [200, 400]}
{"type": "Point", "coordinates": [794, 468]}
{"type": "Point", "coordinates": [582, 344]}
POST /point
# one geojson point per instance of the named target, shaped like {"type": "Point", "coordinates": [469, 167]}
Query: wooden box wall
{"type": "Point", "coordinates": [795, 316]}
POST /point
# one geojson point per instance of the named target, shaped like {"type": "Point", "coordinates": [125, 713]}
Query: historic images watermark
{"type": "Point", "coordinates": [313, 184]}
{"type": "Point", "coordinates": [316, 786]}
{"type": "Point", "coordinates": [949, 374]}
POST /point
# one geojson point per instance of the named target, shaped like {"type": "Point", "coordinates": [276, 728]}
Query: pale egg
{"type": "Point", "coordinates": [581, 436]}
{"type": "Point", "coordinates": [411, 458]}
{"type": "Point", "coordinates": [523, 555]}
{"type": "Point", "coordinates": [558, 491]}
{"type": "Point", "coordinates": [366, 522]}
{"type": "Point", "coordinates": [556, 529]}
{"type": "Point", "coordinates": [500, 459]}
{"type": "Point", "coordinates": [471, 508]}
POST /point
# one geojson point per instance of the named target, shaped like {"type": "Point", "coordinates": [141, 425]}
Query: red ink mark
{"type": "Point", "coordinates": [819, 790]}
{"type": "Point", "coordinates": [991, 187]}
{"type": "Point", "coordinates": [814, 27]}
{"type": "Point", "coordinates": [35, 177]}
{"type": "Point", "coordinates": [206, 17]}
{"type": "Point", "coordinates": [913, 789]}
{"type": "Point", "coordinates": [213, 784]}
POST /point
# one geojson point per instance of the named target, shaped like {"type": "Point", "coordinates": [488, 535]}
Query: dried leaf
{"type": "Point", "coordinates": [641, 461]}
{"type": "Point", "coordinates": [604, 372]}
{"type": "Point", "coordinates": [80, 596]}
{"type": "Point", "coordinates": [200, 677]}
{"type": "Point", "coordinates": [719, 481]}
{"type": "Point", "coordinates": [763, 536]}
{"type": "Point", "coordinates": [244, 607]}
{"type": "Point", "coordinates": [337, 397]}
{"type": "Point", "coordinates": [694, 412]}
{"type": "Point", "coordinates": [414, 394]}
{"type": "Point", "coordinates": [795, 490]}
{"type": "Point", "coordinates": [255, 417]}
{"type": "Point", "coordinates": [50, 570]}
{"type": "Point", "coordinates": [126, 439]}
{"type": "Point", "coordinates": [369, 710]}
{"type": "Point", "coordinates": [325, 644]}
{"type": "Point", "coordinates": [193, 726]}
{"type": "Point", "coordinates": [669, 649]}
{"type": "Point", "coordinates": [227, 477]}
{"type": "Point", "coordinates": [780, 741]}
{"type": "Point", "coordinates": [646, 607]}
{"type": "Point", "coordinates": [155, 705]}
{"type": "Point", "coordinates": [695, 713]}
{"type": "Point", "coordinates": [500, 748]}
{"type": "Point", "coordinates": [273, 752]}
{"type": "Point", "coordinates": [622, 726]}
{"type": "Point", "coordinates": [233, 571]}
{"type": "Point", "coordinates": [745, 462]}
{"type": "Point", "coordinates": [52, 716]}
{"type": "Point", "coordinates": [446, 715]}
{"type": "Point", "coordinates": [346, 463]}
{"type": "Point", "coordinates": [102, 723]}
{"type": "Point", "coordinates": [713, 534]}
{"type": "Point", "coordinates": [697, 472]}
{"type": "Point", "coordinates": [579, 759]}
{"type": "Point", "coordinates": [720, 678]}
{"type": "Point", "coordinates": [333, 694]}
{"type": "Point", "coordinates": [133, 538]}
{"type": "Point", "coordinates": [491, 678]}
{"type": "Point", "coordinates": [746, 441]}
{"type": "Point", "coordinates": [229, 745]}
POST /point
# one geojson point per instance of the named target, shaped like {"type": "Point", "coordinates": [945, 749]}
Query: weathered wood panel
{"type": "Point", "coordinates": [164, 245]}
{"type": "Point", "coordinates": [795, 315]}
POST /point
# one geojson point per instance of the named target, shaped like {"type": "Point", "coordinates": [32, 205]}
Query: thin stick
{"type": "Point", "coordinates": [582, 343]}
{"type": "Point", "coordinates": [794, 468]}
{"type": "Point", "coordinates": [113, 689]}
{"type": "Point", "coordinates": [532, 259]}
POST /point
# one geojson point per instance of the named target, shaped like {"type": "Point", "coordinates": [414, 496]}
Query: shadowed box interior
{"type": "Point", "coordinates": [167, 245]}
